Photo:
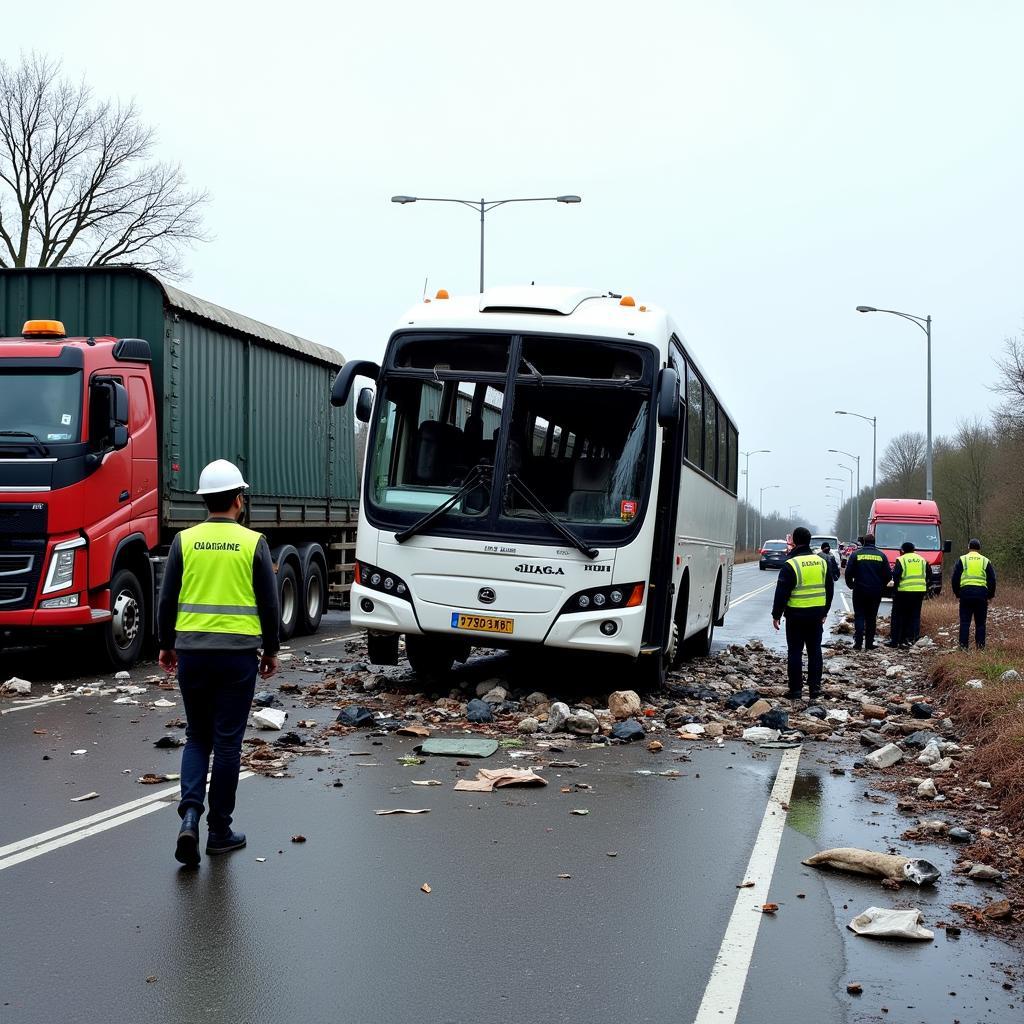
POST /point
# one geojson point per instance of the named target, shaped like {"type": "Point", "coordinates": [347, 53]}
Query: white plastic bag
{"type": "Point", "coordinates": [882, 923]}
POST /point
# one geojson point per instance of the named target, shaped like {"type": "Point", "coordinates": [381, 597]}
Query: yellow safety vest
{"type": "Point", "coordinates": [217, 594]}
{"type": "Point", "coordinates": [809, 591]}
{"type": "Point", "coordinates": [975, 570]}
{"type": "Point", "coordinates": [914, 575]}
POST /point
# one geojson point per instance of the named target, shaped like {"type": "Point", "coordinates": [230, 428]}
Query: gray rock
{"type": "Point", "coordinates": [871, 738]}
{"type": "Point", "coordinates": [930, 754]}
{"type": "Point", "coordinates": [884, 756]}
{"type": "Point", "coordinates": [985, 873]}
{"type": "Point", "coordinates": [582, 723]}
{"type": "Point", "coordinates": [535, 698]}
{"type": "Point", "coordinates": [496, 695]}
{"type": "Point", "coordinates": [921, 738]}
{"type": "Point", "coordinates": [928, 789]}
{"type": "Point", "coordinates": [557, 715]}
{"type": "Point", "coordinates": [943, 765]}
{"type": "Point", "coordinates": [974, 684]}
{"type": "Point", "coordinates": [1011, 675]}
{"type": "Point", "coordinates": [960, 835]}
{"type": "Point", "coordinates": [486, 686]}
{"type": "Point", "coordinates": [528, 726]}
{"type": "Point", "coordinates": [920, 710]}
{"type": "Point", "coordinates": [624, 704]}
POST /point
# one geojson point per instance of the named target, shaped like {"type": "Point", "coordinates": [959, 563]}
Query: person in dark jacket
{"type": "Point", "coordinates": [830, 560]}
{"type": "Point", "coordinates": [867, 574]}
{"type": "Point", "coordinates": [218, 607]}
{"type": "Point", "coordinates": [803, 594]}
{"type": "Point", "coordinates": [974, 583]}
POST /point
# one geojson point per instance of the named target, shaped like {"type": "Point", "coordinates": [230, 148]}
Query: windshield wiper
{"type": "Point", "coordinates": [535, 503]}
{"type": "Point", "coordinates": [25, 433]}
{"type": "Point", "coordinates": [478, 476]}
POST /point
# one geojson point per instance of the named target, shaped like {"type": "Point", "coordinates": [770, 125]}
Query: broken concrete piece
{"type": "Point", "coordinates": [269, 718]}
{"type": "Point", "coordinates": [884, 756]}
{"type": "Point", "coordinates": [624, 704]}
{"type": "Point", "coordinates": [467, 747]}
{"type": "Point", "coordinates": [942, 765]}
{"type": "Point", "coordinates": [927, 789]}
{"type": "Point", "coordinates": [582, 723]}
{"type": "Point", "coordinates": [22, 687]}
{"type": "Point", "coordinates": [761, 734]}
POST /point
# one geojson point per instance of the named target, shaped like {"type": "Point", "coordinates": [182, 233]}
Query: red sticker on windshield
{"type": "Point", "coordinates": [627, 509]}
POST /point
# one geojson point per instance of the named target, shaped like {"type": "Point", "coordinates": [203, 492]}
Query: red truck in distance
{"type": "Point", "coordinates": [896, 520]}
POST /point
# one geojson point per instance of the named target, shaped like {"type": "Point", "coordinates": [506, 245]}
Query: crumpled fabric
{"type": "Point", "coordinates": [879, 865]}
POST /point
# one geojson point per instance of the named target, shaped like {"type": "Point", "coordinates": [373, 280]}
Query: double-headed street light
{"type": "Point", "coordinates": [850, 455]}
{"type": "Point", "coordinates": [484, 206]}
{"type": "Point", "coordinates": [746, 499]}
{"type": "Point", "coordinates": [760, 511]}
{"type": "Point", "coordinates": [925, 323]}
{"type": "Point", "coordinates": [873, 420]}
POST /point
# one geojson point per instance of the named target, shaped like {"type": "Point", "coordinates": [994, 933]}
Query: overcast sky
{"type": "Point", "coordinates": [757, 168]}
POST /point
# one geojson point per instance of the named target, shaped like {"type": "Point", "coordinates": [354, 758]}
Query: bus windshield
{"type": "Point", "coordinates": [924, 536]}
{"type": "Point", "coordinates": [572, 424]}
{"type": "Point", "coordinates": [40, 405]}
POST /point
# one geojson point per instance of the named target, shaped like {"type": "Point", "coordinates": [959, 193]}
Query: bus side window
{"type": "Point", "coordinates": [710, 434]}
{"type": "Point", "coordinates": [734, 443]}
{"type": "Point", "coordinates": [694, 416]}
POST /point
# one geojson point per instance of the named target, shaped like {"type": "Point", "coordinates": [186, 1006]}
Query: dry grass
{"type": "Point", "coordinates": [992, 717]}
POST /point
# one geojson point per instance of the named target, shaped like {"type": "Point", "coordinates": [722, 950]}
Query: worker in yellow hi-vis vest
{"type": "Point", "coordinates": [218, 608]}
{"type": "Point", "coordinates": [803, 595]}
{"type": "Point", "coordinates": [910, 583]}
{"type": "Point", "coordinates": [974, 583]}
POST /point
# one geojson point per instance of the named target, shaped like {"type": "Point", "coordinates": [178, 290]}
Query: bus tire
{"type": "Point", "coordinates": [381, 648]}
{"type": "Point", "coordinates": [314, 596]}
{"type": "Point", "coordinates": [430, 657]}
{"type": "Point", "coordinates": [124, 635]}
{"type": "Point", "coordinates": [289, 600]}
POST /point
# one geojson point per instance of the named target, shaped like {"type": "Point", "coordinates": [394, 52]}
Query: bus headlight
{"type": "Point", "coordinates": [625, 595]}
{"type": "Point", "coordinates": [374, 578]}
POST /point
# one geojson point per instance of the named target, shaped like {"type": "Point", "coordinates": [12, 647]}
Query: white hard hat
{"type": "Point", "coordinates": [221, 476]}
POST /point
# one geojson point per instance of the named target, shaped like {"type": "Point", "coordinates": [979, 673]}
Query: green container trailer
{"type": "Point", "coordinates": [222, 386]}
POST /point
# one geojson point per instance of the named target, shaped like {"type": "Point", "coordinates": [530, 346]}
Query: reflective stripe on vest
{"type": "Point", "coordinates": [809, 591]}
{"type": "Point", "coordinates": [914, 578]}
{"type": "Point", "coordinates": [975, 570]}
{"type": "Point", "coordinates": [217, 595]}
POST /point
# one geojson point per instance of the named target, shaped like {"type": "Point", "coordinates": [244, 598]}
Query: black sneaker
{"type": "Point", "coordinates": [794, 696]}
{"type": "Point", "coordinates": [856, 646]}
{"type": "Point", "coordinates": [187, 850]}
{"type": "Point", "coordinates": [224, 842]}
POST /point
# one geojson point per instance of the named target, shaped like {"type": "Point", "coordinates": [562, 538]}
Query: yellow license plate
{"type": "Point", "coordinates": [482, 623]}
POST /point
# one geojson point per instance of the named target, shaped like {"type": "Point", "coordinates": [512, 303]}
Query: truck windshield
{"type": "Point", "coordinates": [924, 536]}
{"type": "Point", "coordinates": [46, 405]}
{"type": "Point", "coordinates": [572, 422]}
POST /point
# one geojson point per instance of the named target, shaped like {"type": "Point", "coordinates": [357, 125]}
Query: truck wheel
{"type": "Point", "coordinates": [288, 597]}
{"type": "Point", "coordinates": [382, 648]}
{"type": "Point", "coordinates": [431, 657]}
{"type": "Point", "coordinates": [314, 597]}
{"type": "Point", "coordinates": [125, 633]}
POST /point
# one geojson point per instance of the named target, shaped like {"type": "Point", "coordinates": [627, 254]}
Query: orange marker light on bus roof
{"type": "Point", "coordinates": [627, 300]}
{"type": "Point", "coordinates": [442, 293]}
{"type": "Point", "coordinates": [43, 329]}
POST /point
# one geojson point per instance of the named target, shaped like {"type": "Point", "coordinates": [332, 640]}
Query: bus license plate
{"type": "Point", "coordinates": [482, 623]}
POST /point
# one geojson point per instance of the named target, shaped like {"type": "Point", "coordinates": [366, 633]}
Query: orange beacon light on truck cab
{"type": "Point", "coordinates": [43, 329]}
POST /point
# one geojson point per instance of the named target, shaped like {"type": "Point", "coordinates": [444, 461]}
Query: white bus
{"type": "Point", "coordinates": [546, 467]}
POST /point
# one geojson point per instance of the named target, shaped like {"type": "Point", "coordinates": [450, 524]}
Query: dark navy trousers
{"type": "Point", "coordinates": [217, 688]}
{"type": "Point", "coordinates": [975, 608]}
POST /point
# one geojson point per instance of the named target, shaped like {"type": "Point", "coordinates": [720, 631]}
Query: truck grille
{"type": "Point", "coordinates": [12, 565]}
{"type": "Point", "coordinates": [12, 596]}
{"type": "Point", "coordinates": [19, 572]}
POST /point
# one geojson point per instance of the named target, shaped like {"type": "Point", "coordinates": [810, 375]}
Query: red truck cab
{"type": "Point", "coordinates": [896, 520]}
{"type": "Point", "coordinates": [78, 485]}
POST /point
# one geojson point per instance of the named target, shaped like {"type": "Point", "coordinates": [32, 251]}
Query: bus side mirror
{"type": "Point", "coordinates": [364, 405]}
{"type": "Point", "coordinates": [668, 397]}
{"type": "Point", "coordinates": [347, 374]}
{"type": "Point", "coordinates": [947, 547]}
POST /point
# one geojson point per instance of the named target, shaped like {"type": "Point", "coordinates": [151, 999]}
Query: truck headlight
{"type": "Point", "coordinates": [61, 573]}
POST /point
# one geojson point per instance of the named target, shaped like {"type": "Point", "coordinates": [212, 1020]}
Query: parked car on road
{"type": "Point", "coordinates": [773, 554]}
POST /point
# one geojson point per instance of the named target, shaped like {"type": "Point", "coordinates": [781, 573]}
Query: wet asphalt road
{"type": "Point", "coordinates": [337, 928]}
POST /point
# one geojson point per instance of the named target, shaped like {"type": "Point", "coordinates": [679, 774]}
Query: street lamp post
{"type": "Point", "coordinates": [746, 498]}
{"type": "Point", "coordinates": [838, 490]}
{"type": "Point", "coordinates": [484, 206]}
{"type": "Point", "coordinates": [873, 420]}
{"type": "Point", "coordinates": [850, 455]}
{"type": "Point", "coordinates": [849, 469]}
{"type": "Point", "coordinates": [760, 511]}
{"type": "Point", "coordinates": [925, 323]}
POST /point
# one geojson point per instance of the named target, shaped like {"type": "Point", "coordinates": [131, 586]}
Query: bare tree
{"type": "Point", "coordinates": [77, 185]}
{"type": "Point", "coordinates": [902, 461]}
{"type": "Point", "coordinates": [967, 478]}
{"type": "Point", "coordinates": [1010, 416]}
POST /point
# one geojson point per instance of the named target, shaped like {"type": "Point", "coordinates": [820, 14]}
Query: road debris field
{"type": "Point", "coordinates": [579, 850]}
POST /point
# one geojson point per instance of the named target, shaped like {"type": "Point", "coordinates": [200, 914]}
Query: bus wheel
{"type": "Point", "coordinates": [382, 648]}
{"type": "Point", "coordinates": [650, 672]}
{"type": "Point", "coordinates": [431, 657]}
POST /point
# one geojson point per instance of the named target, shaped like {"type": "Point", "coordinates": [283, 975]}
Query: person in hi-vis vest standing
{"type": "Point", "coordinates": [218, 608]}
{"type": "Point", "coordinates": [974, 583]}
{"type": "Point", "coordinates": [803, 594]}
{"type": "Point", "coordinates": [910, 580]}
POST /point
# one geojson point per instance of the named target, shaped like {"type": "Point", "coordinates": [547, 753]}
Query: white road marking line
{"type": "Point", "coordinates": [846, 603]}
{"type": "Point", "coordinates": [74, 837]}
{"type": "Point", "coordinates": [122, 812]}
{"type": "Point", "coordinates": [339, 639]}
{"type": "Point", "coordinates": [721, 1002]}
{"type": "Point", "coordinates": [752, 593]}
{"type": "Point", "coordinates": [56, 698]}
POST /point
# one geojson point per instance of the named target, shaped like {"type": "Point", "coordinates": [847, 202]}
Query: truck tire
{"type": "Point", "coordinates": [431, 657]}
{"type": "Point", "coordinates": [314, 597]}
{"type": "Point", "coordinates": [290, 600]}
{"type": "Point", "coordinates": [124, 635]}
